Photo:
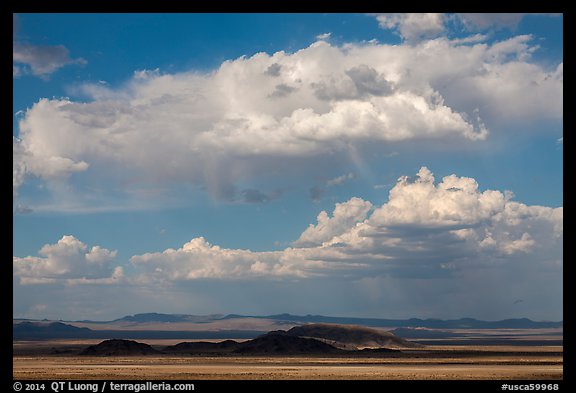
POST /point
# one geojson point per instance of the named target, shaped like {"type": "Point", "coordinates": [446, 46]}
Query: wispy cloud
{"type": "Point", "coordinates": [414, 27]}
{"type": "Point", "coordinates": [340, 179]}
{"type": "Point", "coordinates": [38, 60]}
{"type": "Point", "coordinates": [251, 195]}
{"type": "Point", "coordinates": [485, 21]}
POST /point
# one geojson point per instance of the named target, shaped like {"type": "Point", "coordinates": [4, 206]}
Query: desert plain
{"type": "Point", "coordinates": [49, 360]}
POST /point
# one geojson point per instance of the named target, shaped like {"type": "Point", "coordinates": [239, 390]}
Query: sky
{"type": "Point", "coordinates": [362, 165]}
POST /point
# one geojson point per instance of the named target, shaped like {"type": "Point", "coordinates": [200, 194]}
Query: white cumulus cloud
{"type": "Point", "coordinates": [345, 216]}
{"type": "Point", "coordinates": [69, 261]}
{"type": "Point", "coordinates": [454, 202]}
{"type": "Point", "coordinates": [200, 259]}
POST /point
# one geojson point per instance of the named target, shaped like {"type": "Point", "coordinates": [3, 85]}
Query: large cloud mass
{"type": "Point", "coordinates": [214, 130]}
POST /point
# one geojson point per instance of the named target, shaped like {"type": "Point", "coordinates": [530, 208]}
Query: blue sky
{"type": "Point", "coordinates": [385, 165]}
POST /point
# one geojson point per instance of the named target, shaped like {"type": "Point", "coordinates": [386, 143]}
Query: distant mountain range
{"type": "Point", "coordinates": [462, 323]}
{"type": "Point", "coordinates": [171, 318]}
{"type": "Point", "coordinates": [37, 331]}
{"type": "Point", "coordinates": [181, 326]}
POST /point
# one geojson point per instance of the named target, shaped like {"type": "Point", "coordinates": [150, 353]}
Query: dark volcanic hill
{"type": "Point", "coordinates": [119, 348]}
{"type": "Point", "coordinates": [202, 347]}
{"type": "Point", "coordinates": [279, 343]}
{"type": "Point", "coordinates": [351, 337]}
